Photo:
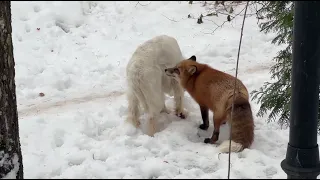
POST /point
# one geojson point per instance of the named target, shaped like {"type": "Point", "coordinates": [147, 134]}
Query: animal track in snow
{"type": "Point", "coordinates": [33, 109]}
{"type": "Point", "coordinates": [36, 8]}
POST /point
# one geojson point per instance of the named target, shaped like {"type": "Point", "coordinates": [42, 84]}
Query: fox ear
{"type": "Point", "coordinates": [192, 69]}
{"type": "Point", "coordinates": [193, 58]}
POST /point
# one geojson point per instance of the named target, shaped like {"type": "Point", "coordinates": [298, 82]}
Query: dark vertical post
{"type": "Point", "coordinates": [302, 158]}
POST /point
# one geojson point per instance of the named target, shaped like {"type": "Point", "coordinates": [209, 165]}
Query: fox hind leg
{"type": "Point", "coordinates": [217, 121]}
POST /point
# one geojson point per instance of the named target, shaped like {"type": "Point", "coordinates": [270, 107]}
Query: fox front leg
{"type": "Point", "coordinates": [205, 118]}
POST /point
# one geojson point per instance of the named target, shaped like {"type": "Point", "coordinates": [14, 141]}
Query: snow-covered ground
{"type": "Point", "coordinates": [76, 54]}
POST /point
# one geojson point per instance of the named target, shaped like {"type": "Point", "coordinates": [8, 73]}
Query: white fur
{"type": "Point", "coordinates": [224, 146]}
{"type": "Point", "coordinates": [148, 83]}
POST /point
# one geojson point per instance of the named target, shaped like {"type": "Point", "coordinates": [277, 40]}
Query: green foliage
{"type": "Point", "coordinates": [278, 17]}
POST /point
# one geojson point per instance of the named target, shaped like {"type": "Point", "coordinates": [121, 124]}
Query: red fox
{"type": "Point", "coordinates": [213, 89]}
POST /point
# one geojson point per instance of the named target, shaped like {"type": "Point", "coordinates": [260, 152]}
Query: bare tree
{"type": "Point", "coordinates": [10, 151]}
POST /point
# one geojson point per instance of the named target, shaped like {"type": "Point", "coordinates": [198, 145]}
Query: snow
{"type": "Point", "coordinates": [6, 162]}
{"type": "Point", "coordinates": [75, 53]}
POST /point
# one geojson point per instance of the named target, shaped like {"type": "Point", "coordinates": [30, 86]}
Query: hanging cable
{"type": "Point", "coordinates": [235, 83]}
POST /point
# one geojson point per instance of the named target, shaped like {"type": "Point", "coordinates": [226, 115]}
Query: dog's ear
{"type": "Point", "coordinates": [193, 58]}
{"type": "Point", "coordinates": [192, 69]}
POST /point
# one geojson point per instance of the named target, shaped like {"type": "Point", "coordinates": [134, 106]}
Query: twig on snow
{"type": "Point", "coordinates": [141, 4]}
{"type": "Point", "coordinates": [169, 18]}
{"type": "Point", "coordinates": [228, 20]}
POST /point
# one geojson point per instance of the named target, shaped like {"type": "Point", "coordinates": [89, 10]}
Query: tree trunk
{"type": "Point", "coordinates": [10, 151]}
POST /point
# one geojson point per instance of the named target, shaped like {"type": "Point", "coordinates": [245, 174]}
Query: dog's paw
{"type": "Point", "coordinates": [165, 110]}
{"type": "Point", "coordinates": [135, 123]}
{"type": "Point", "coordinates": [151, 131]}
{"type": "Point", "coordinates": [203, 127]}
{"type": "Point", "coordinates": [181, 113]}
{"type": "Point", "coordinates": [129, 129]}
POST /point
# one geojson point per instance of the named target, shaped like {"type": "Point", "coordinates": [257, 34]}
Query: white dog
{"type": "Point", "coordinates": [148, 83]}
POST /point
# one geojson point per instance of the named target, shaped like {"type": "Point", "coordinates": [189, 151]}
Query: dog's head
{"type": "Point", "coordinates": [183, 70]}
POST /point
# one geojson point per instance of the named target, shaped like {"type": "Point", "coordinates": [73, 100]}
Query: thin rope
{"type": "Point", "coordinates": [234, 91]}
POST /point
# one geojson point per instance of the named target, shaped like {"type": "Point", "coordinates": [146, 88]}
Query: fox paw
{"type": "Point", "coordinates": [203, 127]}
{"type": "Point", "coordinates": [209, 141]}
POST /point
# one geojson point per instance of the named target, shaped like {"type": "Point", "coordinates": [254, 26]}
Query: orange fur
{"type": "Point", "coordinates": [213, 89]}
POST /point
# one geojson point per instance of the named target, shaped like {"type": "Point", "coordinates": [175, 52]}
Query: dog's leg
{"type": "Point", "coordinates": [164, 109]}
{"type": "Point", "coordinates": [154, 98]}
{"type": "Point", "coordinates": [133, 110]}
{"type": "Point", "coordinates": [152, 125]}
{"type": "Point", "coordinates": [156, 106]}
{"type": "Point", "coordinates": [178, 93]}
{"type": "Point", "coordinates": [205, 117]}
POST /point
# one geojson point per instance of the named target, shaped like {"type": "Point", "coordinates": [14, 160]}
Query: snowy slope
{"type": "Point", "coordinates": [76, 54]}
